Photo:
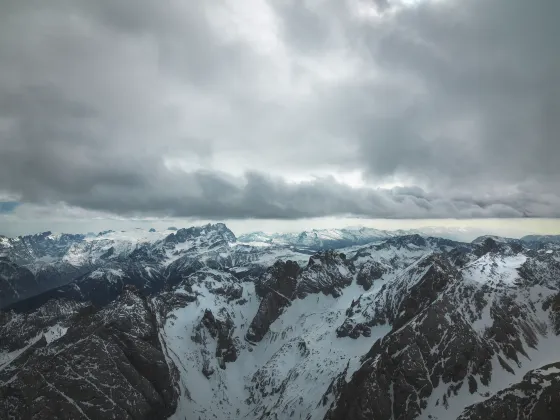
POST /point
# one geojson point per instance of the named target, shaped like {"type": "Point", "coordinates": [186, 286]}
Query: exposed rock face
{"type": "Point", "coordinates": [488, 245]}
{"type": "Point", "coordinates": [15, 282]}
{"type": "Point", "coordinates": [27, 249]}
{"type": "Point", "coordinates": [407, 365]}
{"type": "Point", "coordinates": [415, 290]}
{"type": "Point", "coordinates": [217, 232]}
{"type": "Point", "coordinates": [448, 329]}
{"type": "Point", "coordinates": [397, 302]}
{"type": "Point", "coordinates": [100, 286]}
{"type": "Point", "coordinates": [537, 396]}
{"type": "Point", "coordinates": [109, 364]}
{"type": "Point", "coordinates": [553, 303]}
{"type": "Point", "coordinates": [17, 330]}
{"type": "Point", "coordinates": [410, 362]}
{"type": "Point", "coordinates": [370, 271]}
{"type": "Point", "coordinates": [220, 328]}
{"type": "Point", "coordinates": [353, 329]}
{"type": "Point", "coordinates": [327, 272]}
{"type": "Point", "coordinates": [280, 283]}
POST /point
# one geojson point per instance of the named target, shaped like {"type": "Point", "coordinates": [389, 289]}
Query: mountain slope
{"type": "Point", "coordinates": [106, 364]}
{"type": "Point", "coordinates": [462, 336]}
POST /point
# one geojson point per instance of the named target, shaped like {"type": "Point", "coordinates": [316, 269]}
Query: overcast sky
{"type": "Point", "coordinates": [278, 109]}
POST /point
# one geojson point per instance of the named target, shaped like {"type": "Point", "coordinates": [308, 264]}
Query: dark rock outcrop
{"type": "Point", "coordinates": [536, 397]}
{"type": "Point", "coordinates": [326, 272]}
{"type": "Point", "coordinates": [109, 364]}
{"type": "Point", "coordinates": [277, 286]}
{"type": "Point", "coordinates": [553, 303]}
{"type": "Point", "coordinates": [408, 365]}
{"type": "Point", "coordinates": [16, 282]}
{"type": "Point", "coordinates": [369, 272]}
{"type": "Point", "coordinates": [100, 287]}
{"type": "Point", "coordinates": [221, 328]}
{"type": "Point", "coordinates": [353, 330]}
{"type": "Point", "coordinates": [16, 330]}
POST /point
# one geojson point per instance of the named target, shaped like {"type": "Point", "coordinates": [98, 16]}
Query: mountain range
{"type": "Point", "coordinates": [355, 323]}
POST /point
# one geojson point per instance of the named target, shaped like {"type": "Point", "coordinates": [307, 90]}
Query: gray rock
{"type": "Point", "coordinates": [369, 272]}
{"type": "Point", "coordinates": [280, 283]}
{"type": "Point", "coordinates": [109, 364]}
{"type": "Point", "coordinates": [327, 272]}
{"type": "Point", "coordinates": [536, 397]}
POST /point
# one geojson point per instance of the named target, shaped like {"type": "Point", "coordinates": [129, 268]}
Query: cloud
{"type": "Point", "coordinates": [211, 109]}
{"type": "Point", "coordinates": [488, 72]}
{"type": "Point", "coordinates": [212, 195]}
{"type": "Point", "coordinates": [8, 206]}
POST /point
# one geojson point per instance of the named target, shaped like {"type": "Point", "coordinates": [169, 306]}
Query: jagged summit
{"type": "Point", "coordinates": [63, 264]}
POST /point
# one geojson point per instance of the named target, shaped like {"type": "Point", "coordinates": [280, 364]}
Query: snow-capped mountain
{"type": "Point", "coordinates": [318, 239]}
{"type": "Point", "coordinates": [195, 324]}
{"type": "Point", "coordinates": [97, 267]}
{"type": "Point", "coordinates": [541, 238]}
{"type": "Point", "coordinates": [321, 239]}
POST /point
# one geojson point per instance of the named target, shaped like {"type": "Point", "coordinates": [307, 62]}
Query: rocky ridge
{"type": "Point", "coordinates": [38, 268]}
{"type": "Point", "coordinates": [106, 364]}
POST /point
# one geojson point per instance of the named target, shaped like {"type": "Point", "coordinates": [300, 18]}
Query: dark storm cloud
{"type": "Point", "coordinates": [489, 71]}
{"type": "Point", "coordinates": [134, 108]}
{"type": "Point", "coordinates": [219, 196]}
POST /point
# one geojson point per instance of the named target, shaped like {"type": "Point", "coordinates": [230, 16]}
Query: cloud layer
{"type": "Point", "coordinates": [265, 109]}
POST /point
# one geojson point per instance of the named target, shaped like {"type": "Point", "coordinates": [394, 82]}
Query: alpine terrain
{"type": "Point", "coordinates": [337, 324]}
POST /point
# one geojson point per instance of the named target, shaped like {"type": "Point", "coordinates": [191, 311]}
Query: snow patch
{"type": "Point", "coordinates": [55, 332]}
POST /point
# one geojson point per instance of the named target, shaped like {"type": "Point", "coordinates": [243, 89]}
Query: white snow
{"type": "Point", "coordinates": [253, 243]}
{"type": "Point", "coordinates": [55, 332]}
{"type": "Point", "coordinates": [111, 274]}
{"type": "Point", "coordinates": [494, 269]}
{"type": "Point", "coordinates": [205, 393]}
{"type": "Point", "coordinates": [545, 353]}
{"type": "Point", "coordinates": [300, 349]}
{"type": "Point", "coordinates": [8, 357]}
{"type": "Point", "coordinates": [548, 371]}
{"type": "Point", "coordinates": [501, 274]}
{"type": "Point", "coordinates": [485, 320]}
{"type": "Point", "coordinates": [46, 259]}
{"type": "Point", "coordinates": [343, 270]}
{"type": "Point", "coordinates": [5, 242]}
{"type": "Point", "coordinates": [182, 246]}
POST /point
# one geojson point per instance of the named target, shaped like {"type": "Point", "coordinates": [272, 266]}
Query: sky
{"type": "Point", "coordinates": [279, 113]}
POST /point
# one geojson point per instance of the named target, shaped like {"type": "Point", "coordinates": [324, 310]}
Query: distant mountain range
{"type": "Point", "coordinates": [353, 323]}
{"type": "Point", "coordinates": [318, 239]}
{"type": "Point", "coordinates": [321, 239]}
